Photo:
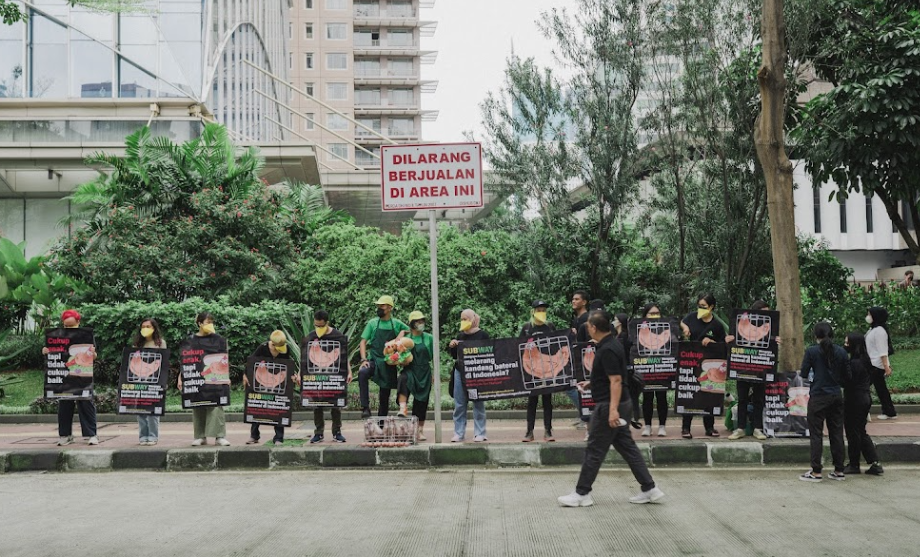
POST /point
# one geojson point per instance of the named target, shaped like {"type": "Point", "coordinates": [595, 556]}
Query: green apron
{"type": "Point", "coordinates": [384, 375]}
{"type": "Point", "coordinates": [419, 372]}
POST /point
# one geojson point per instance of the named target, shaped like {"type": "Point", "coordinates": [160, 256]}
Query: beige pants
{"type": "Point", "coordinates": [209, 422]}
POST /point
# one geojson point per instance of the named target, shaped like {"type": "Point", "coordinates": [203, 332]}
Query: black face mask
{"type": "Point", "coordinates": [381, 312]}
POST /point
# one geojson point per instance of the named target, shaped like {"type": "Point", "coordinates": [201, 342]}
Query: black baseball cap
{"type": "Point", "coordinates": [539, 304]}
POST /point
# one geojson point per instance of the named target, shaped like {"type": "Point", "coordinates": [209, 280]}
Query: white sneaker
{"type": "Point", "coordinates": [887, 417]}
{"type": "Point", "coordinates": [662, 432]}
{"type": "Point", "coordinates": [575, 500]}
{"type": "Point", "coordinates": [63, 441]}
{"type": "Point", "coordinates": [93, 440]}
{"type": "Point", "coordinates": [199, 442]}
{"type": "Point", "coordinates": [759, 435]}
{"type": "Point", "coordinates": [456, 439]}
{"type": "Point", "coordinates": [479, 438]}
{"type": "Point", "coordinates": [222, 442]}
{"type": "Point", "coordinates": [646, 431]}
{"type": "Point", "coordinates": [650, 496]}
{"type": "Point", "coordinates": [737, 434]}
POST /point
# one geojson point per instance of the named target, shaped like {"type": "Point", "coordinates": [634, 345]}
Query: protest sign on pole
{"type": "Point", "coordinates": [142, 381]}
{"type": "Point", "coordinates": [754, 354]}
{"type": "Point", "coordinates": [69, 363]}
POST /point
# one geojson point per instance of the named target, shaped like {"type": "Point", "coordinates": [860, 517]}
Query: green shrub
{"type": "Point", "coordinates": [21, 352]}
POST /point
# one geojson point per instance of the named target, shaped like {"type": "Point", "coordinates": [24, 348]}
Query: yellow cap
{"type": "Point", "coordinates": [385, 301]}
{"type": "Point", "coordinates": [416, 315]}
{"type": "Point", "coordinates": [278, 338]}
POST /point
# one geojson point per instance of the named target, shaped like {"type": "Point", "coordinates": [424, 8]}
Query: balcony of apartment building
{"type": "Point", "coordinates": [394, 101]}
{"type": "Point", "coordinates": [397, 42]}
{"type": "Point", "coordinates": [366, 160]}
{"type": "Point", "coordinates": [395, 13]}
{"type": "Point", "coordinates": [398, 129]}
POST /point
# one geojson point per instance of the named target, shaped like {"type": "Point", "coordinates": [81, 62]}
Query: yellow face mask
{"type": "Point", "coordinates": [146, 332]}
{"type": "Point", "coordinates": [703, 313]}
{"type": "Point", "coordinates": [539, 317]}
{"type": "Point", "coordinates": [654, 316]}
{"type": "Point", "coordinates": [320, 331]}
{"type": "Point", "coordinates": [465, 325]}
{"type": "Point", "coordinates": [207, 329]}
{"type": "Point", "coordinates": [280, 349]}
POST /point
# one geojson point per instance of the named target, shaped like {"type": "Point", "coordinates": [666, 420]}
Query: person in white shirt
{"type": "Point", "coordinates": [878, 345]}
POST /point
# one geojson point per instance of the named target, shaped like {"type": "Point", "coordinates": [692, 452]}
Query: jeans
{"type": "Point", "coordinates": [600, 437]}
{"type": "Point", "coordinates": [148, 428]}
{"type": "Point", "coordinates": [827, 408]}
{"type": "Point", "coordinates": [547, 411]}
{"type": "Point", "coordinates": [319, 421]}
{"type": "Point", "coordinates": [648, 400]}
{"type": "Point", "coordinates": [881, 389]}
{"type": "Point", "coordinates": [86, 410]}
{"type": "Point", "coordinates": [855, 409]}
{"type": "Point", "coordinates": [709, 423]}
{"type": "Point", "coordinates": [254, 432]}
{"type": "Point", "coordinates": [460, 402]}
{"type": "Point", "coordinates": [750, 392]}
{"type": "Point", "coordinates": [576, 400]}
{"type": "Point", "coordinates": [364, 378]}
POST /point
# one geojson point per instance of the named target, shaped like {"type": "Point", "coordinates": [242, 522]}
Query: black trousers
{"type": "Point", "coordinates": [826, 409]}
{"type": "Point", "coordinates": [855, 409]}
{"type": "Point", "coordinates": [709, 422]}
{"type": "Point", "coordinates": [86, 409]}
{"type": "Point", "coordinates": [648, 401]}
{"type": "Point", "coordinates": [547, 411]}
{"type": "Point", "coordinates": [254, 432]}
{"type": "Point", "coordinates": [881, 389]}
{"type": "Point", "coordinates": [600, 437]}
{"type": "Point", "coordinates": [750, 393]}
{"type": "Point", "coordinates": [364, 380]}
{"type": "Point", "coordinates": [319, 421]}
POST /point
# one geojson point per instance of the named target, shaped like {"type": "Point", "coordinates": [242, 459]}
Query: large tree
{"type": "Point", "coordinates": [864, 134]}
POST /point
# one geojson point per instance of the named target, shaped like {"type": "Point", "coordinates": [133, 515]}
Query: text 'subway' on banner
{"type": "Point", "coordinates": [269, 392]}
{"type": "Point", "coordinates": [653, 355]}
{"type": "Point", "coordinates": [753, 355]}
{"type": "Point", "coordinates": [324, 372]}
{"type": "Point", "coordinates": [205, 371]}
{"type": "Point", "coordinates": [701, 378]}
{"type": "Point", "coordinates": [517, 367]}
{"type": "Point", "coordinates": [69, 363]}
{"type": "Point", "coordinates": [142, 381]}
{"type": "Point", "coordinates": [438, 176]}
{"type": "Point", "coordinates": [785, 409]}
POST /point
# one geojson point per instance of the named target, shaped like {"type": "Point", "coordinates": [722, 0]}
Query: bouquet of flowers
{"type": "Point", "coordinates": [398, 352]}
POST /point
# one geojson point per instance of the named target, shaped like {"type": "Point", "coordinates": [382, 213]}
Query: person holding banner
{"type": "Point", "coordinates": [830, 368]}
{"type": "Point", "coordinates": [149, 336]}
{"type": "Point", "coordinates": [415, 378]}
{"type": "Point", "coordinates": [857, 401]}
{"type": "Point", "coordinates": [86, 409]}
{"type": "Point", "coordinates": [275, 347]}
{"type": "Point", "coordinates": [649, 398]}
{"type": "Point", "coordinates": [322, 330]}
{"type": "Point", "coordinates": [377, 333]}
{"type": "Point", "coordinates": [580, 310]}
{"type": "Point", "coordinates": [607, 383]}
{"type": "Point", "coordinates": [750, 393]}
{"type": "Point", "coordinates": [538, 326]}
{"type": "Point", "coordinates": [469, 331]}
{"type": "Point", "coordinates": [702, 326]}
{"type": "Point", "coordinates": [208, 421]}
{"type": "Point", "coordinates": [878, 344]}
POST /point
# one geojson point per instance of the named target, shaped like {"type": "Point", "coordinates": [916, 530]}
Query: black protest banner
{"type": "Point", "coordinates": [517, 367]}
{"type": "Point", "coordinates": [583, 358]}
{"type": "Point", "coordinates": [653, 355]}
{"type": "Point", "coordinates": [324, 372]}
{"type": "Point", "coordinates": [142, 381]}
{"type": "Point", "coordinates": [269, 391]}
{"type": "Point", "coordinates": [753, 355]}
{"type": "Point", "coordinates": [701, 378]}
{"type": "Point", "coordinates": [69, 363]}
{"type": "Point", "coordinates": [785, 409]}
{"type": "Point", "coordinates": [205, 371]}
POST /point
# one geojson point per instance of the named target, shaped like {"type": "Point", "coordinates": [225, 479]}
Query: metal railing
{"type": "Point", "coordinates": [386, 72]}
{"type": "Point", "coordinates": [363, 11]}
{"type": "Point", "coordinates": [361, 42]}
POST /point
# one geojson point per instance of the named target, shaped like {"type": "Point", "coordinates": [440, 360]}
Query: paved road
{"type": "Point", "coordinates": [432, 513]}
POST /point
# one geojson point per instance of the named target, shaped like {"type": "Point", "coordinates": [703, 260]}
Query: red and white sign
{"type": "Point", "coordinates": [437, 176]}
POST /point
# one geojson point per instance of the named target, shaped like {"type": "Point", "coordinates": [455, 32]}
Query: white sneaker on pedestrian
{"type": "Point", "coordinates": [650, 496]}
{"type": "Point", "coordinates": [646, 431]}
{"type": "Point", "coordinates": [887, 417]}
{"type": "Point", "coordinates": [199, 442]}
{"type": "Point", "coordinates": [456, 439]}
{"type": "Point", "coordinates": [759, 435]}
{"type": "Point", "coordinates": [63, 441]}
{"type": "Point", "coordinates": [737, 434]}
{"type": "Point", "coordinates": [479, 438]}
{"type": "Point", "coordinates": [575, 500]}
{"type": "Point", "coordinates": [93, 440]}
{"type": "Point", "coordinates": [662, 432]}
{"type": "Point", "coordinates": [222, 442]}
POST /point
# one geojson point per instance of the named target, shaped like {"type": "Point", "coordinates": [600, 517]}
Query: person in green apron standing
{"type": "Point", "coordinates": [377, 333]}
{"type": "Point", "coordinates": [415, 378]}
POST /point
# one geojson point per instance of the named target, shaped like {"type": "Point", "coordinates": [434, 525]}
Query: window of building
{"type": "Point", "coordinates": [335, 31]}
{"type": "Point", "coordinates": [367, 9]}
{"type": "Point", "coordinates": [290, 61]}
{"type": "Point", "coordinates": [309, 87]}
{"type": "Point", "coordinates": [367, 97]}
{"type": "Point", "coordinates": [308, 30]}
{"type": "Point", "coordinates": [816, 201]}
{"type": "Point", "coordinates": [401, 67]}
{"type": "Point", "coordinates": [308, 60]}
{"type": "Point", "coordinates": [367, 37]}
{"type": "Point", "coordinates": [290, 31]}
{"type": "Point", "coordinates": [843, 216]}
{"type": "Point", "coordinates": [905, 214]}
{"type": "Point", "coordinates": [340, 149]}
{"type": "Point", "coordinates": [335, 4]}
{"type": "Point", "coordinates": [308, 4]}
{"type": "Point", "coordinates": [336, 91]}
{"type": "Point", "coordinates": [308, 121]}
{"type": "Point", "coordinates": [372, 123]}
{"type": "Point", "coordinates": [402, 97]}
{"type": "Point", "coordinates": [399, 9]}
{"type": "Point", "coordinates": [367, 67]}
{"type": "Point", "coordinates": [402, 126]}
{"type": "Point", "coordinates": [870, 225]}
{"type": "Point", "coordinates": [399, 37]}
{"type": "Point", "coordinates": [336, 122]}
{"type": "Point", "coordinates": [336, 61]}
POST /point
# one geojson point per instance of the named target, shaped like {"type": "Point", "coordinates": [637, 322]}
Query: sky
{"type": "Point", "coordinates": [473, 41]}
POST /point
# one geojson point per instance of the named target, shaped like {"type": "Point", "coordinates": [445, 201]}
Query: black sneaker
{"type": "Point", "coordinates": [338, 438]}
{"type": "Point", "coordinates": [712, 433]}
{"type": "Point", "coordinates": [318, 438]}
{"type": "Point", "coordinates": [365, 413]}
{"type": "Point", "coordinates": [850, 469]}
{"type": "Point", "coordinates": [876, 470]}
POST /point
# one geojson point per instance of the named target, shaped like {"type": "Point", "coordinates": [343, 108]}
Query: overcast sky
{"type": "Point", "coordinates": [473, 41]}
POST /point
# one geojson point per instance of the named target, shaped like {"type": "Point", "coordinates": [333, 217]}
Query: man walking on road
{"type": "Point", "coordinates": [608, 375]}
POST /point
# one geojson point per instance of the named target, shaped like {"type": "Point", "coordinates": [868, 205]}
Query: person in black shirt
{"type": "Point", "coordinates": [538, 326]}
{"type": "Point", "coordinates": [750, 392]}
{"type": "Point", "coordinates": [323, 330]}
{"type": "Point", "coordinates": [856, 404]}
{"type": "Point", "coordinates": [275, 347]}
{"type": "Point", "coordinates": [702, 326]}
{"type": "Point", "coordinates": [608, 378]}
{"type": "Point", "coordinates": [580, 309]}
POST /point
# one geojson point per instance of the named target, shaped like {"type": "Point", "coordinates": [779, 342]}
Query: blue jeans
{"type": "Point", "coordinates": [460, 402]}
{"type": "Point", "coordinates": [148, 427]}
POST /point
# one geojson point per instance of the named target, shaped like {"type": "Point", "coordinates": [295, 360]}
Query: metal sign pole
{"type": "Point", "coordinates": [435, 322]}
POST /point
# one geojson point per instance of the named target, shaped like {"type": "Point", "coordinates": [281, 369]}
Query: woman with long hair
{"type": "Point", "coordinates": [649, 398]}
{"type": "Point", "coordinates": [879, 348]}
{"type": "Point", "coordinates": [149, 335]}
{"type": "Point", "coordinates": [856, 404]}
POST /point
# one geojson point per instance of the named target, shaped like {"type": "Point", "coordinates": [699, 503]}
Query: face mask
{"type": "Point", "coordinates": [320, 331]}
{"type": "Point", "coordinates": [616, 323]}
{"type": "Point", "coordinates": [869, 319]}
{"type": "Point", "coordinates": [654, 316]}
{"type": "Point", "coordinates": [539, 317]}
{"type": "Point", "coordinates": [420, 327]}
{"type": "Point", "coordinates": [703, 313]}
{"type": "Point", "coordinates": [207, 329]}
{"type": "Point", "coordinates": [281, 349]}
{"type": "Point", "coordinates": [465, 325]}
{"type": "Point", "coordinates": [381, 312]}
{"type": "Point", "coordinates": [146, 332]}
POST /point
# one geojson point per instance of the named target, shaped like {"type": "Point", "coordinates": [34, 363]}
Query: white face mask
{"type": "Point", "coordinates": [869, 319]}
{"type": "Point", "coordinates": [616, 322]}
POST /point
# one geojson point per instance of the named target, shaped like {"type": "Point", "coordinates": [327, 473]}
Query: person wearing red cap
{"type": "Point", "coordinates": [86, 409]}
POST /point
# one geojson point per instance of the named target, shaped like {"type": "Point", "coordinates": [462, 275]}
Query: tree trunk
{"type": "Point", "coordinates": [769, 140]}
{"type": "Point", "coordinates": [891, 207]}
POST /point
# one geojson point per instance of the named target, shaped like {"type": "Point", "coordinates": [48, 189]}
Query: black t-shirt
{"type": "Point", "coordinates": [263, 351]}
{"type": "Point", "coordinates": [609, 360]}
{"type": "Point", "coordinates": [478, 335]}
{"type": "Point", "coordinates": [699, 329]}
{"type": "Point", "coordinates": [531, 330]}
{"type": "Point", "coordinates": [579, 321]}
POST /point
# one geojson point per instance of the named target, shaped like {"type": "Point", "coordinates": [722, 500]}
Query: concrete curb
{"type": "Point", "coordinates": [656, 454]}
